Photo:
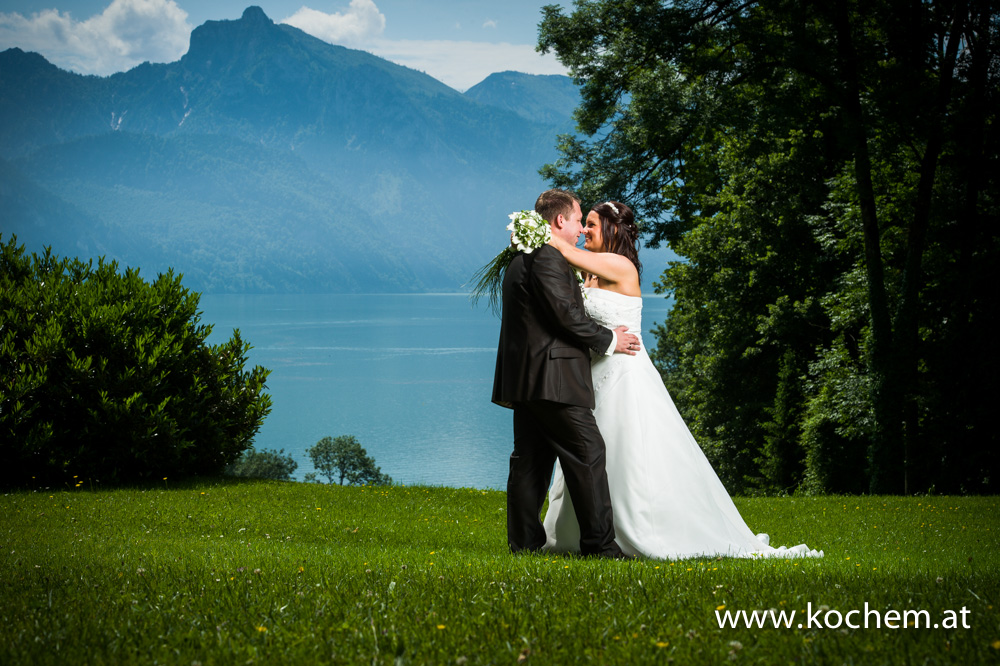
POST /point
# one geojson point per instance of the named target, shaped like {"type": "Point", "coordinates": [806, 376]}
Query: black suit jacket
{"type": "Point", "coordinates": [545, 334]}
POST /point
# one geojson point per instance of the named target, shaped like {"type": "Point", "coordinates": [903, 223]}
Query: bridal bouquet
{"type": "Point", "coordinates": [528, 232]}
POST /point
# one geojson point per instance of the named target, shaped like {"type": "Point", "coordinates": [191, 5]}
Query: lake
{"type": "Point", "coordinates": [410, 376]}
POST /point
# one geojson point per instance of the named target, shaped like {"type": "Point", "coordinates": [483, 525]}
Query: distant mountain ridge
{"type": "Point", "coordinates": [268, 160]}
{"type": "Point", "coordinates": [543, 98]}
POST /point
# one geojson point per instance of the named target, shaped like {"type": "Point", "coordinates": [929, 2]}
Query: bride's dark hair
{"type": "Point", "coordinates": [619, 232]}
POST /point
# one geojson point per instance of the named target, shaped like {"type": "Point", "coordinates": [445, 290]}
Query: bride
{"type": "Point", "coordinates": [667, 500]}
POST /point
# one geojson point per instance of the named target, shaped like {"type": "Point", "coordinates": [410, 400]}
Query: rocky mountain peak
{"type": "Point", "coordinates": [217, 42]}
{"type": "Point", "coordinates": [255, 15]}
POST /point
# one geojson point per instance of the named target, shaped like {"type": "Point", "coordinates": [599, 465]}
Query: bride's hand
{"type": "Point", "coordinates": [568, 250]}
{"type": "Point", "coordinates": [559, 244]}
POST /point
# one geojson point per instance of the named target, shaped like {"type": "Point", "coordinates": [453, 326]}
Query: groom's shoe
{"type": "Point", "coordinates": [619, 556]}
{"type": "Point", "coordinates": [615, 554]}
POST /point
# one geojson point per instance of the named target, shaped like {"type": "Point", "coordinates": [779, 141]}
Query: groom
{"type": "Point", "coordinates": [543, 374]}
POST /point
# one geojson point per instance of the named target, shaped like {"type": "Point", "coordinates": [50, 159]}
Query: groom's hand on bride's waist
{"type": "Point", "coordinates": [626, 343]}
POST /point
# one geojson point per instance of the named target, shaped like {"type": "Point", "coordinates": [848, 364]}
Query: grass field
{"type": "Point", "coordinates": [227, 572]}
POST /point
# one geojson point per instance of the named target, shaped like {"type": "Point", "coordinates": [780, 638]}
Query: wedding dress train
{"type": "Point", "coordinates": [668, 502]}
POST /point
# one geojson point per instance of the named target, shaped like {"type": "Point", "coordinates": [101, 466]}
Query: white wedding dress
{"type": "Point", "coordinates": [668, 503]}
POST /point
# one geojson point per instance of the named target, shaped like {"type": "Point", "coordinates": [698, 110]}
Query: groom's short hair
{"type": "Point", "coordinates": [552, 203]}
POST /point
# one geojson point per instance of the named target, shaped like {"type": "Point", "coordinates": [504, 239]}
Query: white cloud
{"type": "Point", "coordinates": [125, 34]}
{"type": "Point", "coordinates": [462, 64]}
{"type": "Point", "coordinates": [362, 21]}
{"type": "Point", "coordinates": [459, 64]}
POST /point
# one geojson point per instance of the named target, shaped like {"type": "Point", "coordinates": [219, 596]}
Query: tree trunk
{"type": "Point", "coordinates": [970, 229]}
{"type": "Point", "coordinates": [907, 315]}
{"type": "Point", "coordinates": [885, 450]}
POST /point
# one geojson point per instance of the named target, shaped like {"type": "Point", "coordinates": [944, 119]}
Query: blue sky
{"type": "Point", "coordinates": [459, 42]}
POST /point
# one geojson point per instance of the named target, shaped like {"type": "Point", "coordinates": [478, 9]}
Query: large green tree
{"type": "Point", "coordinates": [829, 171]}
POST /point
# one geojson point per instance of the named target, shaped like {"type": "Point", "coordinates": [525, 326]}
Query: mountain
{"type": "Point", "coordinates": [549, 99]}
{"type": "Point", "coordinates": [268, 160]}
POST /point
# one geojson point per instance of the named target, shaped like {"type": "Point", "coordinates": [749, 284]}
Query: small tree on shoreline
{"type": "Point", "coordinates": [342, 459]}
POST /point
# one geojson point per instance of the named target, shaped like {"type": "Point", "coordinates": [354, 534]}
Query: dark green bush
{"type": "Point", "coordinates": [263, 464]}
{"type": "Point", "coordinates": [107, 377]}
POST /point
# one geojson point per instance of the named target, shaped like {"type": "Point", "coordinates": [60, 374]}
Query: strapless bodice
{"type": "Point", "coordinates": [612, 309]}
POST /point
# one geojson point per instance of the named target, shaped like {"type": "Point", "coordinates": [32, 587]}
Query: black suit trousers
{"type": "Point", "coordinates": [543, 432]}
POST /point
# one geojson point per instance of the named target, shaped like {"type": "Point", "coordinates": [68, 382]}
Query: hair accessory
{"type": "Point", "coordinates": [612, 206]}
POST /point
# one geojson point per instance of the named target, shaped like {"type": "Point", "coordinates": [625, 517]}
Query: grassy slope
{"type": "Point", "coordinates": [231, 572]}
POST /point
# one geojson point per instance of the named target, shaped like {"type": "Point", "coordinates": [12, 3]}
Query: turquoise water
{"type": "Point", "coordinates": [409, 375]}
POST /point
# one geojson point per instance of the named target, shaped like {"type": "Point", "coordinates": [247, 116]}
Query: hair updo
{"type": "Point", "coordinates": [619, 232]}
